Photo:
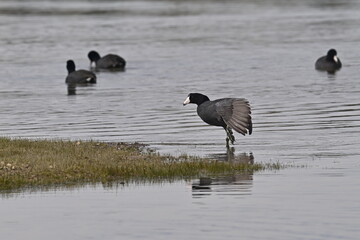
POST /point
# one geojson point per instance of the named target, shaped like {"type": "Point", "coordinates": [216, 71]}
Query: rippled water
{"type": "Point", "coordinates": [261, 50]}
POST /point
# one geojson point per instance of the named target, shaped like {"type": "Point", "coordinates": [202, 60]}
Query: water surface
{"type": "Point", "coordinates": [261, 50]}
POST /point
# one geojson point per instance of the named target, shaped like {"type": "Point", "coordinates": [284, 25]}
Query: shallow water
{"type": "Point", "coordinates": [261, 50]}
{"type": "Point", "coordinates": [291, 204]}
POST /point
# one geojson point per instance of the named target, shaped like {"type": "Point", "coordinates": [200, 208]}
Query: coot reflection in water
{"type": "Point", "coordinates": [237, 184]}
{"type": "Point", "coordinates": [231, 156]}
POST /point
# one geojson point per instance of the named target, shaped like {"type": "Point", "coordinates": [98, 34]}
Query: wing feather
{"type": "Point", "coordinates": [236, 113]}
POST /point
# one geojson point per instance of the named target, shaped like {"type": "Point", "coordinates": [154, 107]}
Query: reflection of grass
{"type": "Point", "coordinates": [29, 163]}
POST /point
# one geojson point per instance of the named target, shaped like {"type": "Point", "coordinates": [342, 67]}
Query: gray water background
{"type": "Point", "coordinates": [261, 50]}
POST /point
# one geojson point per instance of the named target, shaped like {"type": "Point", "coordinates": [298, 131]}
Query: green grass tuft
{"type": "Point", "coordinates": [39, 163]}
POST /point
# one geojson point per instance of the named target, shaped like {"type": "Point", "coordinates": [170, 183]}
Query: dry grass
{"type": "Point", "coordinates": [29, 163]}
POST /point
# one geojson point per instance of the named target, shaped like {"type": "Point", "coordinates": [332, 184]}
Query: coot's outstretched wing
{"type": "Point", "coordinates": [236, 113]}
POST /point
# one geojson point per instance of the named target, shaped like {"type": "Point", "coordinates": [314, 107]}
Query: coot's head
{"type": "Point", "coordinates": [70, 65]}
{"type": "Point", "coordinates": [196, 98]}
{"type": "Point", "coordinates": [331, 55]}
{"type": "Point", "coordinates": [94, 56]}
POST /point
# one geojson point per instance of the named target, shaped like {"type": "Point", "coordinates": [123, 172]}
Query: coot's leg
{"type": "Point", "coordinates": [230, 136]}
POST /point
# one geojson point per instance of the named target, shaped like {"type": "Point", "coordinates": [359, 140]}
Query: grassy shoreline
{"type": "Point", "coordinates": [38, 163]}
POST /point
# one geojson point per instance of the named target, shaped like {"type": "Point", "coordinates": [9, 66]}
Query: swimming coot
{"type": "Point", "coordinates": [229, 113]}
{"type": "Point", "coordinates": [329, 63]}
{"type": "Point", "coordinates": [109, 62]}
{"type": "Point", "coordinates": [78, 76]}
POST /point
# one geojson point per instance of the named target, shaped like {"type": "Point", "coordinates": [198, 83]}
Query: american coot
{"type": "Point", "coordinates": [109, 62]}
{"type": "Point", "coordinates": [229, 113]}
{"type": "Point", "coordinates": [329, 63]}
{"type": "Point", "coordinates": [79, 76]}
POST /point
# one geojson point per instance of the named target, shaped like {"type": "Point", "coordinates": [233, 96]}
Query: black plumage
{"type": "Point", "coordinates": [78, 76]}
{"type": "Point", "coordinates": [107, 62]}
{"type": "Point", "coordinates": [329, 63]}
{"type": "Point", "coordinates": [229, 113]}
